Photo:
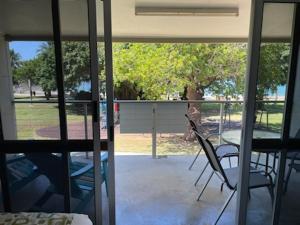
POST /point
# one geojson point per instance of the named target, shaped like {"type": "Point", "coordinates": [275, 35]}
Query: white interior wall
{"type": "Point", "coordinates": [7, 108]}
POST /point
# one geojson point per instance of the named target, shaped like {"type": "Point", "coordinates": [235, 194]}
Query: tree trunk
{"type": "Point", "coordinates": [30, 89]}
{"type": "Point", "coordinates": [194, 109]}
{"type": "Point", "coordinates": [47, 94]}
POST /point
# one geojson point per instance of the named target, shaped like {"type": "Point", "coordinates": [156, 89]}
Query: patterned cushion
{"type": "Point", "coordinates": [35, 219]}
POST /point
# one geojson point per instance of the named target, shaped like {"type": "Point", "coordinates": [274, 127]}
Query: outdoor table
{"type": "Point", "coordinates": [234, 137]}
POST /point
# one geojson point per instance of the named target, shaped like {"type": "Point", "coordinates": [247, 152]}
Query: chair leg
{"type": "Point", "coordinates": [196, 157]}
{"type": "Point", "coordinates": [196, 182]}
{"type": "Point", "coordinates": [225, 206]}
{"type": "Point", "coordinates": [287, 178]}
{"type": "Point", "coordinates": [257, 160]}
{"type": "Point", "coordinates": [210, 176]}
{"type": "Point", "coordinates": [229, 162]}
{"type": "Point", "coordinates": [222, 186]}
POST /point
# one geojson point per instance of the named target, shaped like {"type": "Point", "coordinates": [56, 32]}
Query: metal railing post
{"type": "Point", "coordinates": [154, 108]}
{"type": "Point", "coordinates": [221, 121]}
{"type": "Point", "coordinates": [85, 126]}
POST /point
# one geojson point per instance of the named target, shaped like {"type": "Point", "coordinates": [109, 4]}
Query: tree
{"type": "Point", "coordinates": [27, 71]}
{"type": "Point", "coordinates": [76, 66]}
{"type": "Point", "coordinates": [145, 69]}
{"type": "Point", "coordinates": [273, 67]}
{"type": "Point", "coordinates": [15, 62]}
{"type": "Point", "coordinates": [156, 69]}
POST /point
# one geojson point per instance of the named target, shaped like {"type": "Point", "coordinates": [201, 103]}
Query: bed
{"type": "Point", "coordinates": [44, 219]}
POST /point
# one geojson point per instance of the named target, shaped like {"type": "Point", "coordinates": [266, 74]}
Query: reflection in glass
{"type": "Point", "coordinates": [295, 125]}
{"type": "Point", "coordinates": [273, 67]}
{"type": "Point", "coordinates": [271, 85]}
{"type": "Point", "coordinates": [34, 180]}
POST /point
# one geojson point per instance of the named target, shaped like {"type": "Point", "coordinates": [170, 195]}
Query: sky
{"type": "Point", "coordinates": [27, 49]}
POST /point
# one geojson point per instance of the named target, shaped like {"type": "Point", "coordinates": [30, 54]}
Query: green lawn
{"type": "Point", "coordinates": [32, 117]}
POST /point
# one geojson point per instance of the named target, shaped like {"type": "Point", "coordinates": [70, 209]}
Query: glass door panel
{"type": "Point", "coordinates": [36, 182]}
{"type": "Point", "coordinates": [77, 66]}
{"type": "Point", "coordinates": [266, 113]}
{"type": "Point", "coordinates": [270, 101]}
{"type": "Point", "coordinates": [274, 59]}
{"type": "Point", "coordinates": [295, 125]}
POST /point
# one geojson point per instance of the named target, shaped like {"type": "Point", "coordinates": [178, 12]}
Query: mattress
{"type": "Point", "coordinates": [44, 219]}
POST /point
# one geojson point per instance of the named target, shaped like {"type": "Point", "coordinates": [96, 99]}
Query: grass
{"type": "Point", "coordinates": [32, 117]}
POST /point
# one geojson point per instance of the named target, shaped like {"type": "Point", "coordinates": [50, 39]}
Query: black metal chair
{"type": "Point", "coordinates": [222, 151]}
{"type": "Point", "coordinates": [230, 175]}
{"type": "Point", "coordinates": [193, 125]}
{"type": "Point", "coordinates": [293, 165]}
{"type": "Point", "coordinates": [294, 156]}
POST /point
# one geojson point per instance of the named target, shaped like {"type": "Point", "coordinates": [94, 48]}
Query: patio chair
{"type": "Point", "coordinates": [222, 151]}
{"type": "Point", "coordinates": [230, 175]}
{"type": "Point", "coordinates": [21, 172]}
{"type": "Point", "coordinates": [293, 165]}
{"type": "Point", "coordinates": [294, 157]}
{"type": "Point", "coordinates": [81, 178]}
{"type": "Point", "coordinates": [195, 127]}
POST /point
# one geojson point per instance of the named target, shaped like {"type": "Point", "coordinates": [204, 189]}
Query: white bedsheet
{"type": "Point", "coordinates": [81, 219]}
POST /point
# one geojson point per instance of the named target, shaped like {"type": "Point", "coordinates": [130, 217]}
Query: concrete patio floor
{"type": "Point", "coordinates": [161, 192]}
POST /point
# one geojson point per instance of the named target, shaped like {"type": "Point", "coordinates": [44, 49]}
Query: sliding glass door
{"type": "Point", "coordinates": [56, 139]}
{"type": "Point", "coordinates": [268, 135]}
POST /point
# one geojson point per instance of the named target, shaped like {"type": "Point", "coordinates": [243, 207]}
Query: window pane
{"type": "Point", "coordinates": [273, 69]}
{"type": "Point", "coordinates": [37, 121]}
{"type": "Point", "coordinates": [36, 182]}
{"type": "Point", "coordinates": [295, 125]}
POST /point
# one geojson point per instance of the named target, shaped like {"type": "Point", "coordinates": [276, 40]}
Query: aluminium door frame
{"type": "Point", "coordinates": [92, 23]}
{"type": "Point", "coordinates": [247, 141]}
{"type": "Point", "coordinates": [110, 109]}
{"type": "Point", "coordinates": [64, 145]}
{"type": "Point", "coordinates": [61, 100]}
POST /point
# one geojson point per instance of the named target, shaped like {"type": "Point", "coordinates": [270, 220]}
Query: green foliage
{"type": "Point", "coordinates": [15, 62]}
{"type": "Point", "coordinates": [157, 69]}
{"type": "Point", "coordinates": [27, 71]}
{"type": "Point", "coordinates": [76, 65]}
{"type": "Point", "coordinates": [219, 68]}
{"type": "Point", "coordinates": [46, 71]}
{"type": "Point", "coordinates": [273, 67]}
{"type": "Point", "coordinates": [148, 67]}
{"type": "Point", "coordinates": [152, 71]}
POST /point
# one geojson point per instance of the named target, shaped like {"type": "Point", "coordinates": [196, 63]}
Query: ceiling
{"type": "Point", "coordinates": [31, 19]}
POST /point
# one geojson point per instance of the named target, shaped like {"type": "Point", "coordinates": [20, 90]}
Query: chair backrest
{"type": "Point", "coordinates": [51, 166]}
{"type": "Point", "coordinates": [210, 154]}
{"type": "Point", "coordinates": [192, 123]}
